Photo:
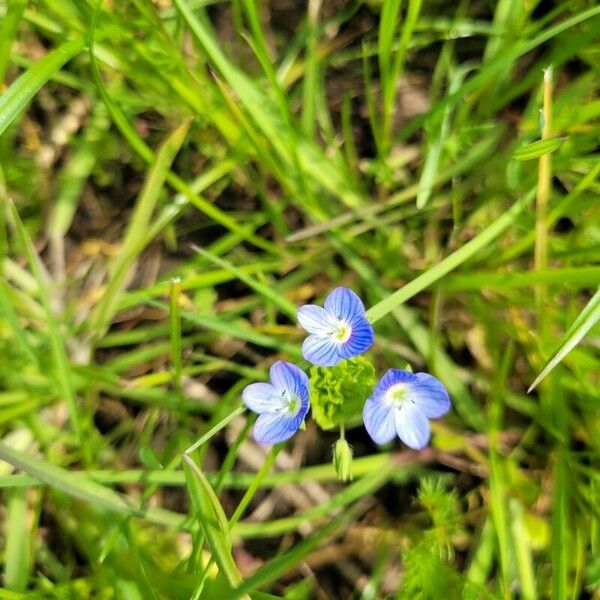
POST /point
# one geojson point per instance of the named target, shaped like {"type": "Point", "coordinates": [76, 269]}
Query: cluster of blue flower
{"type": "Point", "coordinates": [401, 404]}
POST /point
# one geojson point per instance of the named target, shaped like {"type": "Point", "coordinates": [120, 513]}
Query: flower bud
{"type": "Point", "coordinates": [342, 460]}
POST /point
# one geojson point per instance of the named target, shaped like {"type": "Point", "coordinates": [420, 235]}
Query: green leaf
{"type": "Point", "coordinates": [19, 94]}
{"type": "Point", "coordinates": [584, 322]}
{"type": "Point", "coordinates": [279, 565]}
{"type": "Point", "coordinates": [537, 149]}
{"type": "Point", "coordinates": [9, 26]}
{"type": "Point", "coordinates": [148, 458]}
{"type": "Point", "coordinates": [451, 262]}
{"type": "Point", "coordinates": [267, 291]}
{"type": "Point", "coordinates": [64, 378]}
{"type": "Point", "coordinates": [135, 238]}
{"type": "Point", "coordinates": [17, 555]}
{"type": "Point", "coordinates": [144, 151]}
{"type": "Point", "coordinates": [212, 520]}
{"type": "Point", "coordinates": [313, 161]}
{"type": "Point", "coordinates": [78, 485]}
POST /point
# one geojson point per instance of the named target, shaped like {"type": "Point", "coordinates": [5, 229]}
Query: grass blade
{"type": "Point", "coordinates": [450, 263]}
{"type": "Point", "coordinates": [58, 349]}
{"type": "Point", "coordinates": [175, 327]}
{"type": "Point", "coordinates": [19, 94]}
{"type": "Point", "coordinates": [537, 149]}
{"type": "Point", "coordinates": [589, 316]}
{"type": "Point", "coordinates": [8, 31]}
{"type": "Point", "coordinates": [18, 537]}
{"type": "Point", "coordinates": [279, 565]}
{"type": "Point", "coordinates": [212, 519]}
{"type": "Point", "coordinates": [270, 294]}
{"type": "Point", "coordinates": [135, 237]}
{"type": "Point", "coordinates": [79, 486]}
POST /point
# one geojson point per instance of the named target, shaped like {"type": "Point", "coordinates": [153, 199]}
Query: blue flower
{"type": "Point", "coordinates": [401, 405]}
{"type": "Point", "coordinates": [339, 330]}
{"type": "Point", "coordinates": [281, 404]}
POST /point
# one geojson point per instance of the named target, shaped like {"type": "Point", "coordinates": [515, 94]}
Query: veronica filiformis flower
{"type": "Point", "coordinates": [281, 404]}
{"type": "Point", "coordinates": [402, 404]}
{"type": "Point", "coordinates": [338, 330]}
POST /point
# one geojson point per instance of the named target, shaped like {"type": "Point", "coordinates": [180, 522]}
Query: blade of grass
{"type": "Point", "coordinates": [499, 494]}
{"type": "Point", "coordinates": [538, 149]}
{"type": "Point", "coordinates": [544, 190]}
{"type": "Point", "coordinates": [8, 31]}
{"type": "Point", "coordinates": [213, 430]}
{"type": "Point", "coordinates": [575, 276]}
{"type": "Point", "coordinates": [234, 329]}
{"type": "Point", "coordinates": [145, 152]}
{"type": "Point", "coordinates": [254, 486]}
{"type": "Point", "coordinates": [56, 337]}
{"type": "Point", "coordinates": [310, 83]}
{"type": "Point", "coordinates": [276, 567]}
{"type": "Point", "coordinates": [266, 291]}
{"type": "Point", "coordinates": [523, 554]}
{"type": "Point", "coordinates": [589, 316]}
{"type": "Point", "coordinates": [560, 504]}
{"type": "Point", "coordinates": [17, 554]}
{"type": "Point", "coordinates": [20, 93]}
{"type": "Point", "coordinates": [246, 499]}
{"type": "Point", "coordinates": [451, 262]}
{"type": "Point", "coordinates": [80, 486]}
{"type": "Point", "coordinates": [212, 519]}
{"type": "Point", "coordinates": [175, 330]}
{"type": "Point", "coordinates": [133, 242]}
{"type": "Point", "coordinates": [324, 473]}
{"type": "Point", "coordinates": [395, 69]}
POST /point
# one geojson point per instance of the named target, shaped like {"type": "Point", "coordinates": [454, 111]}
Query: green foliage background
{"type": "Point", "coordinates": [177, 176]}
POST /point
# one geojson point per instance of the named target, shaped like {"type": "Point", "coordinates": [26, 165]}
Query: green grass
{"type": "Point", "coordinates": [178, 176]}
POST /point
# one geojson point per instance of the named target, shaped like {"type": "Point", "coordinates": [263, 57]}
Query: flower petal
{"type": "Point", "coordinates": [321, 350]}
{"type": "Point", "coordinates": [344, 304]}
{"type": "Point", "coordinates": [430, 395]}
{"type": "Point", "coordinates": [315, 319]}
{"type": "Point", "coordinates": [262, 398]}
{"type": "Point", "coordinates": [392, 377]}
{"type": "Point", "coordinates": [360, 340]}
{"type": "Point", "coordinates": [379, 420]}
{"type": "Point", "coordinates": [271, 428]}
{"type": "Point", "coordinates": [412, 426]}
{"type": "Point", "coordinates": [303, 409]}
{"type": "Point", "coordinates": [287, 376]}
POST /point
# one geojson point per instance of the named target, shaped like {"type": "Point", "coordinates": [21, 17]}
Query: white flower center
{"type": "Point", "coordinates": [291, 403]}
{"type": "Point", "coordinates": [397, 395]}
{"type": "Point", "coordinates": [342, 332]}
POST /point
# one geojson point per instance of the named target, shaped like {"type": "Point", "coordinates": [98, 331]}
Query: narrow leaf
{"type": "Point", "coordinates": [584, 322]}
{"type": "Point", "coordinates": [19, 94]}
{"type": "Point", "coordinates": [57, 344]}
{"type": "Point", "coordinates": [449, 263]}
{"type": "Point", "coordinates": [537, 149]}
{"type": "Point", "coordinates": [135, 238]}
{"type": "Point", "coordinates": [79, 486]}
{"type": "Point", "coordinates": [212, 519]}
